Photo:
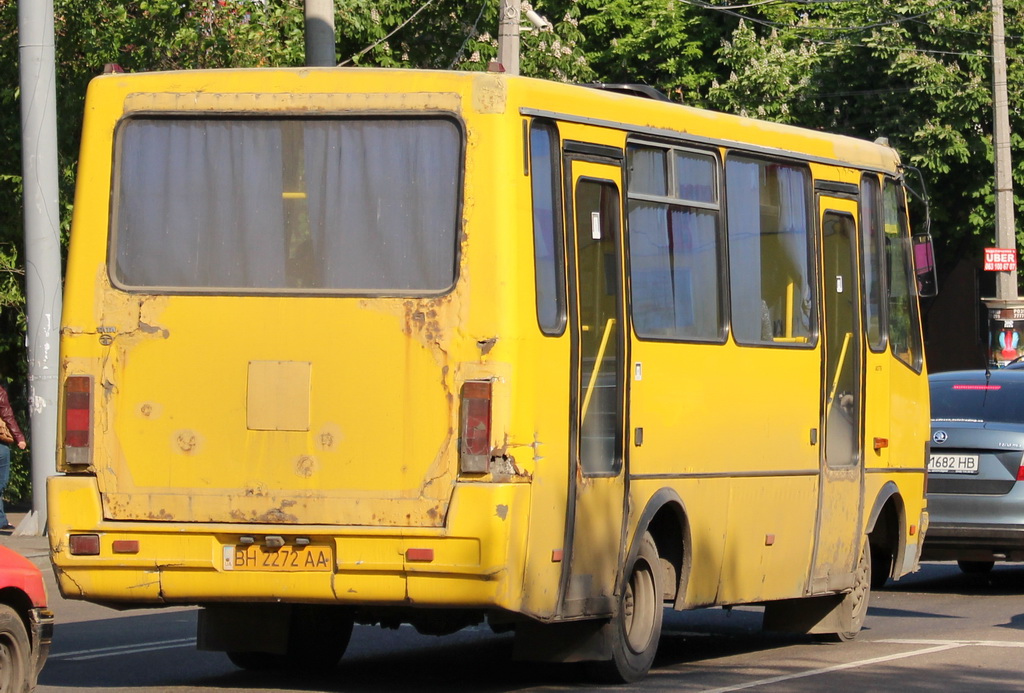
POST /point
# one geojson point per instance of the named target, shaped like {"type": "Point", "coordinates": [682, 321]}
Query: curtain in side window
{"type": "Point", "coordinates": [743, 197]}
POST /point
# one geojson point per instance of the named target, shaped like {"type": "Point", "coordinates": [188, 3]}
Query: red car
{"type": "Point", "coordinates": [26, 624]}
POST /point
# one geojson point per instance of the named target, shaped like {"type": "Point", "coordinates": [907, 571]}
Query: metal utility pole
{"type": "Point", "coordinates": [320, 33]}
{"type": "Point", "coordinates": [508, 36]}
{"type": "Point", "coordinates": [1005, 311]}
{"type": "Point", "coordinates": [42, 239]}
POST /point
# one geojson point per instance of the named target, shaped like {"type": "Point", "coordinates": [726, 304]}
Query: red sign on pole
{"type": "Point", "coordinates": [1000, 260]}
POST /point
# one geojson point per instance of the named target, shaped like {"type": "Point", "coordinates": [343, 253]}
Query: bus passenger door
{"type": "Point", "coordinates": [594, 528]}
{"type": "Point", "coordinates": [840, 506]}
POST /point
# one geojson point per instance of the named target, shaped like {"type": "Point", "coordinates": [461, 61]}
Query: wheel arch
{"type": "Point", "coordinates": [887, 524]}
{"type": "Point", "coordinates": [20, 602]}
{"type": "Point", "coordinates": [664, 516]}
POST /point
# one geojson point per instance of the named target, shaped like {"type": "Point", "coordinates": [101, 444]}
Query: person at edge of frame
{"type": "Point", "coordinates": [7, 414]}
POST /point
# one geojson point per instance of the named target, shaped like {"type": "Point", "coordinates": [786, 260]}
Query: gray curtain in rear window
{"type": "Point", "coordinates": [200, 204]}
{"type": "Point", "coordinates": [383, 214]}
{"type": "Point", "coordinates": [368, 205]}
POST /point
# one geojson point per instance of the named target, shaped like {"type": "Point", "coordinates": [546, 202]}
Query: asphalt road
{"type": "Point", "coordinates": [934, 630]}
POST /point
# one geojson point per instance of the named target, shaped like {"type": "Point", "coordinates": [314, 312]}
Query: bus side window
{"type": "Point", "coordinates": [768, 211]}
{"type": "Point", "coordinates": [674, 243]}
{"type": "Point", "coordinates": [548, 251]}
{"type": "Point", "coordinates": [872, 264]}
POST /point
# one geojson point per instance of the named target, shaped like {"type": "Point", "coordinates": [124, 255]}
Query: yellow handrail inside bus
{"type": "Point", "coordinates": [839, 368]}
{"type": "Point", "coordinates": [788, 338]}
{"type": "Point", "coordinates": [597, 366]}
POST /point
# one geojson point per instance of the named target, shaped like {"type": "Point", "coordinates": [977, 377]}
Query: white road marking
{"type": "Point", "coordinates": [118, 650]}
{"type": "Point", "coordinates": [973, 643]}
{"type": "Point", "coordinates": [840, 667]}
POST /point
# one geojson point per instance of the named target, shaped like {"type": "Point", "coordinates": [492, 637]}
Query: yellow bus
{"type": "Point", "coordinates": [361, 346]}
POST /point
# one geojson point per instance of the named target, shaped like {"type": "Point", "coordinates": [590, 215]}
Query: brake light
{"type": "Point", "coordinates": [1020, 471]}
{"type": "Point", "coordinates": [977, 387]}
{"type": "Point", "coordinates": [84, 544]}
{"type": "Point", "coordinates": [78, 419]}
{"type": "Point", "coordinates": [475, 434]}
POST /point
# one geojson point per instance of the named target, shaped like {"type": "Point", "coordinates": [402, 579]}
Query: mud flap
{"type": "Point", "coordinates": [247, 628]}
{"type": "Point", "coordinates": [808, 615]}
{"type": "Point", "coordinates": [571, 641]}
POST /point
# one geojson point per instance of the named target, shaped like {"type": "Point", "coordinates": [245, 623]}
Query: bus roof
{"type": "Point", "coordinates": [496, 93]}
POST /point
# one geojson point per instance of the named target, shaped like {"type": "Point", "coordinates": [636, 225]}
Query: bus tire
{"type": "Point", "coordinates": [854, 607]}
{"type": "Point", "coordinates": [316, 642]}
{"type": "Point", "coordinates": [15, 652]}
{"type": "Point", "coordinates": [636, 627]}
{"type": "Point", "coordinates": [976, 567]}
{"type": "Point", "coordinates": [881, 565]}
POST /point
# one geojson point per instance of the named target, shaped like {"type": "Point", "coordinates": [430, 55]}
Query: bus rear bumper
{"type": "Point", "coordinates": [474, 562]}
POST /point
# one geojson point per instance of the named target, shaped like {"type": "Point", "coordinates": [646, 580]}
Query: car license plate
{"type": "Point", "coordinates": [953, 464]}
{"type": "Point", "coordinates": [283, 559]}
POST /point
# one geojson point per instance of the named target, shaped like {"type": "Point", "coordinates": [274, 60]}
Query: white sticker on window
{"type": "Point", "coordinates": [595, 225]}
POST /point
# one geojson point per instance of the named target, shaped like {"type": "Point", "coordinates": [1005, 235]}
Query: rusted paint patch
{"type": "Point", "coordinates": [328, 438]}
{"type": "Point", "coordinates": [501, 511]}
{"type": "Point", "coordinates": [255, 488]}
{"type": "Point", "coordinates": [489, 93]}
{"type": "Point", "coordinates": [152, 329]}
{"type": "Point", "coordinates": [186, 442]}
{"type": "Point", "coordinates": [305, 466]}
{"type": "Point", "coordinates": [272, 516]}
{"type": "Point", "coordinates": [150, 410]}
{"type": "Point", "coordinates": [486, 345]}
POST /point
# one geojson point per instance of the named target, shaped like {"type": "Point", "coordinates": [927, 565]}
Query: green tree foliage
{"type": "Point", "coordinates": [915, 71]}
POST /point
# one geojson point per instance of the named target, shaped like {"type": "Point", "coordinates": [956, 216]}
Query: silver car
{"type": "Point", "coordinates": [975, 472]}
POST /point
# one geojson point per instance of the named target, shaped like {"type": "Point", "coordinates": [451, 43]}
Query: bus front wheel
{"type": "Point", "coordinates": [636, 626]}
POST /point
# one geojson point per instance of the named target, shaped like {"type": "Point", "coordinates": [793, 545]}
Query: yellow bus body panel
{"type": "Point", "coordinates": [336, 418]}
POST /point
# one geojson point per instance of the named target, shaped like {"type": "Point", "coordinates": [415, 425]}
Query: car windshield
{"type": "Point", "coordinates": [977, 400]}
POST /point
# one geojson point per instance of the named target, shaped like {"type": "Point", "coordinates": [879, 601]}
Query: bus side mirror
{"type": "Point", "coordinates": [924, 265]}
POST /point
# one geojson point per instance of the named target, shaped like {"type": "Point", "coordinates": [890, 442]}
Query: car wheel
{"type": "Point", "coordinates": [15, 652]}
{"type": "Point", "coordinates": [976, 567]}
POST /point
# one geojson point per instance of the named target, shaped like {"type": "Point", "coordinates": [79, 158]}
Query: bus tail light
{"type": "Point", "coordinates": [84, 544]}
{"type": "Point", "coordinates": [475, 431]}
{"type": "Point", "coordinates": [78, 419]}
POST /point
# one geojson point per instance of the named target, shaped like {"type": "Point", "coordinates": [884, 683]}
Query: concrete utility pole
{"type": "Point", "coordinates": [42, 239]}
{"type": "Point", "coordinates": [508, 36]}
{"type": "Point", "coordinates": [320, 33]}
{"type": "Point", "coordinates": [1006, 235]}
{"type": "Point", "coordinates": [1006, 310]}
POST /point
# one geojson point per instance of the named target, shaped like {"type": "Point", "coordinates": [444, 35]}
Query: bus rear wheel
{"type": "Point", "coordinates": [317, 639]}
{"type": "Point", "coordinates": [854, 607]}
{"type": "Point", "coordinates": [636, 627]}
{"type": "Point", "coordinates": [976, 567]}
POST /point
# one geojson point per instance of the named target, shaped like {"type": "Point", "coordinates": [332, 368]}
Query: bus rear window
{"type": "Point", "coordinates": [361, 206]}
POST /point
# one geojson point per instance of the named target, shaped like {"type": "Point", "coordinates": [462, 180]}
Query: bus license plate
{"type": "Point", "coordinates": [953, 464]}
{"type": "Point", "coordinates": [284, 559]}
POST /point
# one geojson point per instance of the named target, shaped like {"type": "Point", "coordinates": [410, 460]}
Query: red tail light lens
{"type": "Point", "coordinates": [84, 544]}
{"type": "Point", "coordinates": [1020, 471]}
{"type": "Point", "coordinates": [475, 434]}
{"type": "Point", "coordinates": [78, 419]}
